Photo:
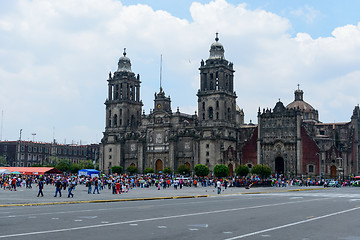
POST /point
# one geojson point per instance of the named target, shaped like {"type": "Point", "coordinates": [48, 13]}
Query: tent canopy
{"type": "Point", "coordinates": [33, 170]}
{"type": "Point", "coordinates": [89, 172]}
{"type": "Point", "coordinates": [4, 171]}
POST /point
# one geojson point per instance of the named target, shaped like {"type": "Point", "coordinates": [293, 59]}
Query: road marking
{"type": "Point", "coordinates": [149, 206]}
{"type": "Point", "coordinates": [133, 224]}
{"type": "Point", "coordinates": [104, 222]}
{"type": "Point", "coordinates": [193, 229]}
{"type": "Point", "coordinates": [156, 218]}
{"type": "Point", "coordinates": [199, 225]}
{"type": "Point", "coordinates": [293, 224]}
{"type": "Point", "coordinates": [78, 220]}
{"type": "Point", "coordinates": [88, 217]}
{"type": "Point", "coordinates": [55, 218]}
{"type": "Point", "coordinates": [227, 232]}
{"type": "Point", "coordinates": [162, 226]}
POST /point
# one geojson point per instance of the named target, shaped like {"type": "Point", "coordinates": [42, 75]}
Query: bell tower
{"type": "Point", "coordinates": [123, 105]}
{"type": "Point", "coordinates": [216, 96]}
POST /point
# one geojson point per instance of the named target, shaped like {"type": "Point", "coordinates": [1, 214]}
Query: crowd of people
{"type": "Point", "coordinates": [119, 184]}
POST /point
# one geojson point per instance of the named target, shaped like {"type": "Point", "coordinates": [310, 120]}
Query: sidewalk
{"type": "Point", "coordinates": [25, 196]}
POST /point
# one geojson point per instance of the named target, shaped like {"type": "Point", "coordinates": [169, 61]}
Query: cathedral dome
{"type": "Point", "coordinates": [216, 49]}
{"type": "Point", "coordinates": [308, 112]}
{"type": "Point", "coordinates": [124, 64]}
{"type": "Point", "coordinates": [299, 102]}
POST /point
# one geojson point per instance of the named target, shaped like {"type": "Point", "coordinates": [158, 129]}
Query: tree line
{"type": "Point", "coordinates": [202, 170]}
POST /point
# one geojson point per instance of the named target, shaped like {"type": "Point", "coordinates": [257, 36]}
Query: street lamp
{"type": "Point", "coordinates": [262, 165]}
{"type": "Point", "coordinates": [319, 164]}
{"type": "Point", "coordinates": [19, 158]}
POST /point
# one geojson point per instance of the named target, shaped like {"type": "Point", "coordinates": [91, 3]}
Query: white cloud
{"type": "Point", "coordinates": [309, 14]}
{"type": "Point", "coordinates": [55, 57]}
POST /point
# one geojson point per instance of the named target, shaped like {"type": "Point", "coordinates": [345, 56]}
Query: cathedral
{"type": "Point", "coordinates": [289, 139]}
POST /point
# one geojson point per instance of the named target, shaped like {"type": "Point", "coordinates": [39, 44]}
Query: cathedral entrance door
{"type": "Point", "coordinates": [333, 171]}
{"type": "Point", "coordinates": [231, 170]}
{"type": "Point", "coordinates": [279, 165]}
{"type": "Point", "coordinates": [158, 166]}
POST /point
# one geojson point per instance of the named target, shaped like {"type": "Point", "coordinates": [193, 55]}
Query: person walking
{"type": "Point", "coordinates": [70, 188]}
{"type": "Point", "coordinates": [218, 185]}
{"type": "Point", "coordinates": [58, 187]}
{"type": "Point", "coordinates": [41, 186]}
{"type": "Point", "coordinates": [88, 185]}
{"type": "Point", "coordinates": [96, 186]}
{"type": "Point", "coordinates": [13, 184]}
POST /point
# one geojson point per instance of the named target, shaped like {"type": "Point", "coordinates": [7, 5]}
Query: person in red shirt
{"type": "Point", "coordinates": [13, 184]}
{"type": "Point", "coordinates": [118, 187]}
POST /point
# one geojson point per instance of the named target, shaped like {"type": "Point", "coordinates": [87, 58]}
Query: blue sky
{"type": "Point", "coordinates": [316, 17]}
{"type": "Point", "coordinates": [55, 57]}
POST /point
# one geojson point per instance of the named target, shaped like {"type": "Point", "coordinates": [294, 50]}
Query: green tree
{"type": "Point", "coordinates": [167, 170]}
{"type": "Point", "coordinates": [37, 165]}
{"type": "Point", "coordinates": [242, 170]}
{"type": "Point", "coordinates": [132, 170]}
{"type": "Point", "coordinates": [3, 162]}
{"type": "Point", "coordinates": [261, 170]}
{"type": "Point", "coordinates": [88, 164]}
{"type": "Point", "coordinates": [201, 170]}
{"type": "Point", "coordinates": [74, 168]}
{"type": "Point", "coordinates": [221, 171]}
{"type": "Point", "coordinates": [63, 165]}
{"type": "Point", "coordinates": [117, 169]}
{"type": "Point", "coordinates": [148, 170]}
{"type": "Point", "coordinates": [183, 170]}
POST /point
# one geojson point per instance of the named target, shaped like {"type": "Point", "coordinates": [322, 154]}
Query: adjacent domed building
{"type": "Point", "coordinates": [308, 113]}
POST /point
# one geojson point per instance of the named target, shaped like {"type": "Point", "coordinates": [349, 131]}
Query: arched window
{"type": "Point", "coordinates": [211, 113]}
{"type": "Point", "coordinates": [121, 91]}
{"type": "Point", "coordinates": [115, 120]}
{"type": "Point", "coordinates": [109, 119]}
{"type": "Point", "coordinates": [131, 93]}
{"type": "Point", "coordinates": [132, 123]}
{"type": "Point", "coordinates": [217, 104]}
{"type": "Point", "coordinates": [117, 92]}
{"type": "Point", "coordinates": [229, 113]}
{"type": "Point", "coordinates": [217, 115]}
{"type": "Point", "coordinates": [203, 105]}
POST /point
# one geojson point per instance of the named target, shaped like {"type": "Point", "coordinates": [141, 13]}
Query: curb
{"type": "Point", "coordinates": [153, 198]}
{"type": "Point", "coordinates": [100, 201]}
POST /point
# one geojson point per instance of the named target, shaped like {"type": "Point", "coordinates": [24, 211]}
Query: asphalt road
{"type": "Point", "coordinates": [317, 214]}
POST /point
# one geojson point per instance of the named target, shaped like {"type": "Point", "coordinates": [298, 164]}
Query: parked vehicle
{"type": "Point", "coordinates": [333, 184]}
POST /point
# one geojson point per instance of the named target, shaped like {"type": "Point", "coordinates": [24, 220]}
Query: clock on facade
{"type": "Point", "coordinates": [159, 106]}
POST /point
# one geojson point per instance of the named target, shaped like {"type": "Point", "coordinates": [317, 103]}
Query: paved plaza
{"type": "Point", "coordinates": [296, 213]}
{"type": "Point", "coordinates": [28, 196]}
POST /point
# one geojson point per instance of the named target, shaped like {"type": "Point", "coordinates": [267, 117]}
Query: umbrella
{"type": "Point", "coordinates": [15, 172]}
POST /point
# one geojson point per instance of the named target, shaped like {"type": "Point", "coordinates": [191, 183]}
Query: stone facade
{"type": "Point", "coordinates": [165, 138]}
{"type": "Point", "coordinates": [291, 140]}
{"type": "Point", "coordinates": [28, 153]}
